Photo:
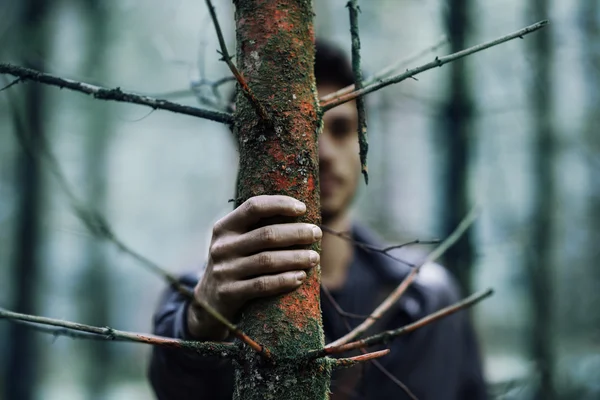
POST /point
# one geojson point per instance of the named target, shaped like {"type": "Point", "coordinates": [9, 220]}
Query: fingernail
{"type": "Point", "coordinates": [300, 275]}
{"type": "Point", "coordinates": [300, 207]}
{"type": "Point", "coordinates": [317, 233]}
{"type": "Point", "coordinates": [314, 258]}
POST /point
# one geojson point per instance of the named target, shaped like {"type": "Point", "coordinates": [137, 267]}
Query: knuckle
{"type": "Point", "coordinates": [222, 293]}
{"type": "Point", "coordinates": [260, 285]}
{"type": "Point", "coordinates": [218, 273]}
{"type": "Point", "coordinates": [283, 281]}
{"type": "Point", "coordinates": [264, 260]}
{"type": "Point", "coordinates": [267, 235]}
{"type": "Point", "coordinates": [218, 228]}
{"type": "Point", "coordinates": [217, 250]}
{"type": "Point", "coordinates": [252, 205]}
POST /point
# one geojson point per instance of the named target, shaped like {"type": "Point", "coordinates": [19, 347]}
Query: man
{"type": "Point", "coordinates": [439, 361]}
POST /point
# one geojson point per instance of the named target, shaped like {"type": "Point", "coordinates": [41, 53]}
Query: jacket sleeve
{"type": "Point", "coordinates": [177, 374]}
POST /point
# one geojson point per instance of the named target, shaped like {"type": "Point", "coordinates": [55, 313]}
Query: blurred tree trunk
{"type": "Point", "coordinates": [540, 262]}
{"type": "Point", "coordinates": [95, 304]}
{"type": "Point", "coordinates": [590, 22]}
{"type": "Point", "coordinates": [28, 120]}
{"type": "Point", "coordinates": [457, 115]}
{"type": "Point", "coordinates": [275, 52]}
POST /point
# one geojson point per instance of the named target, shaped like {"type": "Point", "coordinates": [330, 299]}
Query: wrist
{"type": "Point", "coordinates": [202, 326]}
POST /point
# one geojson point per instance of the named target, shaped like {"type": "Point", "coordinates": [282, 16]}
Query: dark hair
{"type": "Point", "coordinates": [332, 65]}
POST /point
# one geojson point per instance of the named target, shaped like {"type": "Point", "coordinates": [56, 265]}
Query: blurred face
{"type": "Point", "coordinates": [339, 162]}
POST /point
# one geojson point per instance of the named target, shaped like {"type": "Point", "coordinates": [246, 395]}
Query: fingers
{"type": "Point", "coordinates": [273, 262]}
{"type": "Point", "coordinates": [267, 237]}
{"type": "Point", "coordinates": [257, 208]}
{"type": "Point", "coordinates": [267, 285]}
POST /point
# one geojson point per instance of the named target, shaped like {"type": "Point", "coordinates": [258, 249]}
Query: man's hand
{"type": "Point", "coordinates": [246, 263]}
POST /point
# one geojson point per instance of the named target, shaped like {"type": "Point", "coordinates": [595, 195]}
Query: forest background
{"type": "Point", "coordinates": [523, 140]}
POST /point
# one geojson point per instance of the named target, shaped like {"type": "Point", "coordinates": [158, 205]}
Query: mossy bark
{"type": "Point", "coordinates": [275, 54]}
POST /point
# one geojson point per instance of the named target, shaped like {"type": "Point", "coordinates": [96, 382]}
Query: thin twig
{"type": "Point", "coordinates": [225, 350]}
{"type": "Point", "coordinates": [99, 227]}
{"type": "Point", "coordinates": [352, 361]}
{"type": "Point", "coordinates": [358, 83]}
{"type": "Point", "coordinates": [376, 363]}
{"type": "Point", "coordinates": [395, 295]}
{"type": "Point", "coordinates": [337, 307]}
{"type": "Point", "coordinates": [14, 82]}
{"type": "Point", "coordinates": [372, 248]}
{"type": "Point", "coordinates": [116, 94]}
{"type": "Point", "coordinates": [385, 72]}
{"type": "Point", "coordinates": [260, 109]}
{"type": "Point", "coordinates": [387, 336]}
{"type": "Point", "coordinates": [437, 62]}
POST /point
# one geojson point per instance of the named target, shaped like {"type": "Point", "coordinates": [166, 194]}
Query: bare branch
{"type": "Point", "coordinates": [395, 295]}
{"type": "Point", "coordinates": [438, 62]}
{"type": "Point", "coordinates": [339, 309]}
{"type": "Point", "coordinates": [100, 228]}
{"type": "Point", "coordinates": [352, 361]}
{"type": "Point", "coordinates": [387, 336]}
{"type": "Point", "coordinates": [260, 109]}
{"type": "Point", "coordinates": [391, 377]}
{"type": "Point", "coordinates": [385, 72]}
{"type": "Point", "coordinates": [224, 350]}
{"type": "Point", "coordinates": [358, 83]}
{"type": "Point", "coordinates": [116, 94]}
{"type": "Point", "coordinates": [345, 315]}
{"type": "Point", "coordinates": [385, 251]}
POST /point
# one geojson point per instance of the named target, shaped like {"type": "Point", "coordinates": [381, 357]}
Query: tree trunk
{"type": "Point", "coordinates": [275, 54]}
{"type": "Point", "coordinates": [28, 119]}
{"type": "Point", "coordinates": [95, 304]}
{"type": "Point", "coordinates": [540, 260]}
{"type": "Point", "coordinates": [457, 123]}
{"type": "Point", "coordinates": [590, 22]}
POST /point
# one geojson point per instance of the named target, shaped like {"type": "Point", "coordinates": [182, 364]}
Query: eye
{"type": "Point", "coordinates": [341, 128]}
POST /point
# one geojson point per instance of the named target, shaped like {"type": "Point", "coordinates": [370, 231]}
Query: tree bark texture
{"type": "Point", "coordinates": [275, 55]}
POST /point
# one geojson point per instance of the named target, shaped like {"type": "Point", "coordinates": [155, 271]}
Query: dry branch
{"type": "Point", "coordinates": [385, 72]}
{"type": "Point", "coordinates": [385, 251]}
{"type": "Point", "coordinates": [352, 361]}
{"type": "Point", "coordinates": [437, 62]}
{"type": "Point", "coordinates": [27, 74]}
{"type": "Point", "coordinates": [395, 295]}
{"type": "Point", "coordinates": [100, 228]}
{"type": "Point", "coordinates": [345, 315]}
{"type": "Point", "coordinates": [260, 109]}
{"type": "Point", "coordinates": [224, 350]}
{"type": "Point", "coordinates": [387, 336]}
{"type": "Point", "coordinates": [358, 83]}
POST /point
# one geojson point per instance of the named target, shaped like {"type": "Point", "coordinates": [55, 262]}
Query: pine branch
{"type": "Point", "coordinates": [395, 295]}
{"type": "Point", "coordinates": [116, 94]}
{"type": "Point", "coordinates": [358, 83]}
{"type": "Point", "coordinates": [223, 350]}
{"type": "Point", "coordinates": [437, 62]}
{"type": "Point", "coordinates": [260, 109]}
{"type": "Point", "coordinates": [385, 72]}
